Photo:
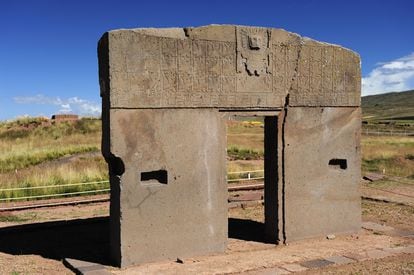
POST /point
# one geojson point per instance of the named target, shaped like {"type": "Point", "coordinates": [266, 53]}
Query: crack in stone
{"type": "Point", "coordinates": [295, 72]}
{"type": "Point", "coordinates": [283, 169]}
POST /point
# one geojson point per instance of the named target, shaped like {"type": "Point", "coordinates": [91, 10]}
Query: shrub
{"type": "Point", "coordinates": [236, 153]}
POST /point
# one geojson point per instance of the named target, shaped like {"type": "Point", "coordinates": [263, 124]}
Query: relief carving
{"type": "Point", "coordinates": [253, 51]}
{"type": "Point", "coordinates": [223, 73]}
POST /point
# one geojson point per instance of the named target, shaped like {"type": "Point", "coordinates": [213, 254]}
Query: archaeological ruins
{"type": "Point", "coordinates": [166, 96]}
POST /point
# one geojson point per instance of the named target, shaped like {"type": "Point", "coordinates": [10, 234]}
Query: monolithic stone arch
{"type": "Point", "coordinates": [166, 94]}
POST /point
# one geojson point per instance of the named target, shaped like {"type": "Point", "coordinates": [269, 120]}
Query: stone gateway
{"type": "Point", "coordinates": [166, 95]}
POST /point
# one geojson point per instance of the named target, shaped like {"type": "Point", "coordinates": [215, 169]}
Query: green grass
{"type": "Point", "coordinates": [236, 153]}
{"type": "Point", "coordinates": [245, 142]}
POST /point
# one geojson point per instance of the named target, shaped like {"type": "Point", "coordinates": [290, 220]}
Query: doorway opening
{"type": "Point", "coordinates": [252, 175]}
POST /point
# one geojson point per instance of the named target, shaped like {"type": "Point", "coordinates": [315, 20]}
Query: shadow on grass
{"type": "Point", "coordinates": [87, 239]}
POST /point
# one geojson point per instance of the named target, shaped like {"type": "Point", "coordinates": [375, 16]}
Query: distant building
{"type": "Point", "coordinates": [61, 118]}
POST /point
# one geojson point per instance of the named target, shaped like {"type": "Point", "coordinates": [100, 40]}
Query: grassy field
{"type": "Point", "coordinates": [35, 152]}
{"type": "Point", "coordinates": [389, 106]}
{"type": "Point", "coordinates": [391, 155]}
{"type": "Point", "coordinates": [245, 146]}
{"type": "Point", "coordinates": [32, 141]}
{"type": "Point", "coordinates": [389, 113]}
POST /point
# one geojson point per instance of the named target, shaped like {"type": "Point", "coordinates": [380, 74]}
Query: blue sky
{"type": "Point", "coordinates": [48, 60]}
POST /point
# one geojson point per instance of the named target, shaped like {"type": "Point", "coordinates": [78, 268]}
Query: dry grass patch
{"type": "Point", "coordinates": [389, 154]}
{"type": "Point", "coordinates": [22, 146]}
{"type": "Point", "coordinates": [247, 135]}
{"type": "Point", "coordinates": [245, 147]}
{"type": "Point", "coordinates": [89, 169]}
{"type": "Point", "coordinates": [30, 150]}
{"type": "Point", "coordinates": [398, 216]}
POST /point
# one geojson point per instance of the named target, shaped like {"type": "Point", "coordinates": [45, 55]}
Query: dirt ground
{"type": "Point", "coordinates": [401, 192]}
{"type": "Point", "coordinates": [401, 264]}
{"type": "Point", "coordinates": [83, 234]}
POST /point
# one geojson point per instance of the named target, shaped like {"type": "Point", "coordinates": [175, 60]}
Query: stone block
{"type": "Point", "coordinates": [225, 67]}
{"type": "Point", "coordinates": [294, 267]}
{"type": "Point", "coordinates": [269, 271]}
{"type": "Point", "coordinates": [400, 249]}
{"type": "Point", "coordinates": [318, 263]}
{"type": "Point", "coordinates": [378, 254]}
{"type": "Point", "coordinates": [339, 260]}
{"type": "Point", "coordinates": [322, 171]}
{"type": "Point", "coordinates": [85, 268]}
{"type": "Point", "coordinates": [361, 256]}
{"type": "Point", "coordinates": [173, 194]}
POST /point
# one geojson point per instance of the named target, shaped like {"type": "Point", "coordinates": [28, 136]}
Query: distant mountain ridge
{"type": "Point", "coordinates": [389, 106]}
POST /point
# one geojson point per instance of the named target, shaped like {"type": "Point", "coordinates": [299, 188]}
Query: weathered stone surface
{"type": "Point", "coordinates": [268, 271]}
{"type": "Point", "coordinates": [85, 268]}
{"type": "Point", "coordinates": [362, 256]}
{"type": "Point", "coordinates": [339, 260]}
{"type": "Point", "coordinates": [183, 212]}
{"type": "Point", "coordinates": [399, 249]}
{"type": "Point", "coordinates": [317, 263]}
{"type": "Point", "coordinates": [166, 94]}
{"type": "Point", "coordinates": [378, 254]}
{"type": "Point", "coordinates": [326, 75]}
{"type": "Point", "coordinates": [224, 33]}
{"type": "Point", "coordinates": [322, 171]}
{"type": "Point", "coordinates": [294, 267]}
{"type": "Point", "coordinates": [226, 67]}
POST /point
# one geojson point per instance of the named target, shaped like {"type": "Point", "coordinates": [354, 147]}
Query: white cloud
{"type": "Point", "coordinates": [70, 105]}
{"type": "Point", "coordinates": [392, 76]}
{"type": "Point", "coordinates": [65, 109]}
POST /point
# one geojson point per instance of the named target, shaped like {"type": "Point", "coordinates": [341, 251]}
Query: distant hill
{"type": "Point", "coordinates": [389, 106]}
